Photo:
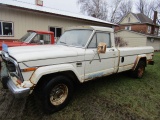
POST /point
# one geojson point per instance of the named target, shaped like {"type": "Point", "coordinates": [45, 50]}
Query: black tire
{"type": "Point", "coordinates": [139, 71]}
{"type": "Point", "coordinates": [4, 81]}
{"type": "Point", "coordinates": [57, 94]}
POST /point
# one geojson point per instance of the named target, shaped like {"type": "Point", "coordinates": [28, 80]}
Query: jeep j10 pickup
{"type": "Point", "coordinates": [81, 54]}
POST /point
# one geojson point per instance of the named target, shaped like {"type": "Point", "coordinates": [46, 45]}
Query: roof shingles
{"type": "Point", "coordinates": [143, 18]}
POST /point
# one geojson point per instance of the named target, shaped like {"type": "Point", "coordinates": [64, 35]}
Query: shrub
{"type": "Point", "coordinates": [120, 42]}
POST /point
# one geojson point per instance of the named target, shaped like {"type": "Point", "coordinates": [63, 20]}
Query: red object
{"type": "Point", "coordinates": [25, 41]}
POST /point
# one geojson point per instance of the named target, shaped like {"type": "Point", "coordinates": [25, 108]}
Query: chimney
{"type": "Point", "coordinates": [154, 22]}
{"type": "Point", "coordinates": [39, 2]}
{"type": "Point", "coordinates": [155, 17]}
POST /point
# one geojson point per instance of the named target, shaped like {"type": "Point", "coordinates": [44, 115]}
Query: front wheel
{"type": "Point", "coordinates": [57, 94]}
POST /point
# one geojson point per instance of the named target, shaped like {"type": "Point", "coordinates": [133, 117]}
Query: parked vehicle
{"type": "Point", "coordinates": [32, 37]}
{"type": "Point", "coordinates": [52, 71]}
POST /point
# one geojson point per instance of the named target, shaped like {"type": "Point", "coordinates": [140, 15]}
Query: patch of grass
{"type": "Point", "coordinates": [115, 97]}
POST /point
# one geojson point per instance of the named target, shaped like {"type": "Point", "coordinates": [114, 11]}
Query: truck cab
{"type": "Point", "coordinates": [32, 37]}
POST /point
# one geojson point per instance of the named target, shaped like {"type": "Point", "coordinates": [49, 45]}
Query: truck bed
{"type": "Point", "coordinates": [129, 55]}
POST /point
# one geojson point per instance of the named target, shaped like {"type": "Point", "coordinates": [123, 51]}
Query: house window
{"type": "Point", "coordinates": [57, 32]}
{"type": "Point", "coordinates": [128, 28]}
{"type": "Point", "coordinates": [152, 40]}
{"type": "Point", "coordinates": [156, 31]}
{"type": "Point", "coordinates": [6, 28]}
{"type": "Point", "coordinates": [129, 19]}
{"type": "Point", "coordinates": [149, 29]}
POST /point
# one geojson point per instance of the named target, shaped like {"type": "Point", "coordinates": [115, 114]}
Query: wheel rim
{"type": "Point", "coordinates": [58, 94]}
{"type": "Point", "coordinates": [140, 71]}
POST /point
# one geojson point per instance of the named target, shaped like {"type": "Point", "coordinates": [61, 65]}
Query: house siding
{"type": "Point", "coordinates": [133, 19]}
{"type": "Point", "coordinates": [155, 43]}
{"type": "Point", "coordinates": [132, 39]}
{"type": "Point", "coordinates": [142, 28]}
{"type": "Point", "coordinates": [24, 20]}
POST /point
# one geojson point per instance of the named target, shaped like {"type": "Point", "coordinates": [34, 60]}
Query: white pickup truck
{"type": "Point", "coordinates": [81, 54]}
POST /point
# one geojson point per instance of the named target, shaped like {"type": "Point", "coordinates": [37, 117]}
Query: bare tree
{"type": "Point", "coordinates": [146, 7]}
{"type": "Point", "coordinates": [94, 8]}
{"type": "Point", "coordinates": [124, 7]}
{"type": "Point", "coordinates": [157, 8]}
{"type": "Point", "coordinates": [118, 9]}
{"type": "Point", "coordinates": [100, 9]}
{"type": "Point", "coordinates": [119, 42]}
{"type": "Point", "coordinates": [114, 9]}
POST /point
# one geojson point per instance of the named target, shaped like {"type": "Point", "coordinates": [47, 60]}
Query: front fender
{"type": "Point", "coordinates": [41, 71]}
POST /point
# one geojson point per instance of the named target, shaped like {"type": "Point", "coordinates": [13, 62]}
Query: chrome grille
{"type": "Point", "coordinates": [12, 66]}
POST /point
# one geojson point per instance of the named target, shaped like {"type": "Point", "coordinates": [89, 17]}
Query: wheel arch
{"type": "Point", "coordinates": [143, 58]}
{"type": "Point", "coordinates": [65, 69]}
{"type": "Point", "coordinates": [46, 78]}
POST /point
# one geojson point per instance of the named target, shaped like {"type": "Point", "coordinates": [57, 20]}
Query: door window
{"type": "Point", "coordinates": [41, 39]}
{"type": "Point", "coordinates": [100, 37]}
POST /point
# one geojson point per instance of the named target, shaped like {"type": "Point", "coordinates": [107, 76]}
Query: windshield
{"type": "Point", "coordinates": [27, 37]}
{"type": "Point", "coordinates": [75, 38]}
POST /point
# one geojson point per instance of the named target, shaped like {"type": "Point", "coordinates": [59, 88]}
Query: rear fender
{"type": "Point", "coordinates": [139, 57]}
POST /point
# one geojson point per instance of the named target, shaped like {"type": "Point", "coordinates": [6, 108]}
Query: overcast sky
{"type": "Point", "coordinates": [66, 5]}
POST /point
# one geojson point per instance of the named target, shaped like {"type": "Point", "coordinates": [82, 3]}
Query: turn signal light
{"type": "Point", "coordinates": [28, 69]}
{"type": "Point", "coordinates": [18, 81]}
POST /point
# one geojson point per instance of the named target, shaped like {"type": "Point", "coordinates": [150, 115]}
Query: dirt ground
{"type": "Point", "coordinates": [9, 105]}
{"type": "Point", "coordinates": [13, 109]}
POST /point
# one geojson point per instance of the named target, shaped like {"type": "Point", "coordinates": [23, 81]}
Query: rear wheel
{"type": "Point", "coordinates": [57, 94]}
{"type": "Point", "coordinates": [139, 71]}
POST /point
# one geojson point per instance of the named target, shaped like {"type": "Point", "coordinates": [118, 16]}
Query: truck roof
{"type": "Point", "coordinates": [41, 32]}
{"type": "Point", "coordinates": [97, 28]}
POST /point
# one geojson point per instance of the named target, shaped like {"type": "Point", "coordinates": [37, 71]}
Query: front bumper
{"type": "Point", "coordinates": [17, 92]}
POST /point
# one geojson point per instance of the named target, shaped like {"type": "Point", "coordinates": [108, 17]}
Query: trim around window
{"type": "Point", "coordinates": [149, 29]}
{"type": "Point", "coordinates": [57, 31]}
{"type": "Point", "coordinates": [97, 39]}
{"type": "Point", "coordinates": [6, 29]}
{"type": "Point", "coordinates": [127, 27]}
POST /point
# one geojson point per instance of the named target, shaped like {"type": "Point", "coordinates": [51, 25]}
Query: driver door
{"type": "Point", "coordinates": [97, 65]}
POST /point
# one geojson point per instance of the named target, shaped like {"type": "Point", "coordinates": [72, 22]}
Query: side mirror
{"type": "Point", "coordinates": [42, 42]}
{"type": "Point", "coordinates": [101, 47]}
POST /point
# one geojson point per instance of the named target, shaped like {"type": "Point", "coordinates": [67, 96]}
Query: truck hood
{"type": "Point", "coordinates": [41, 52]}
